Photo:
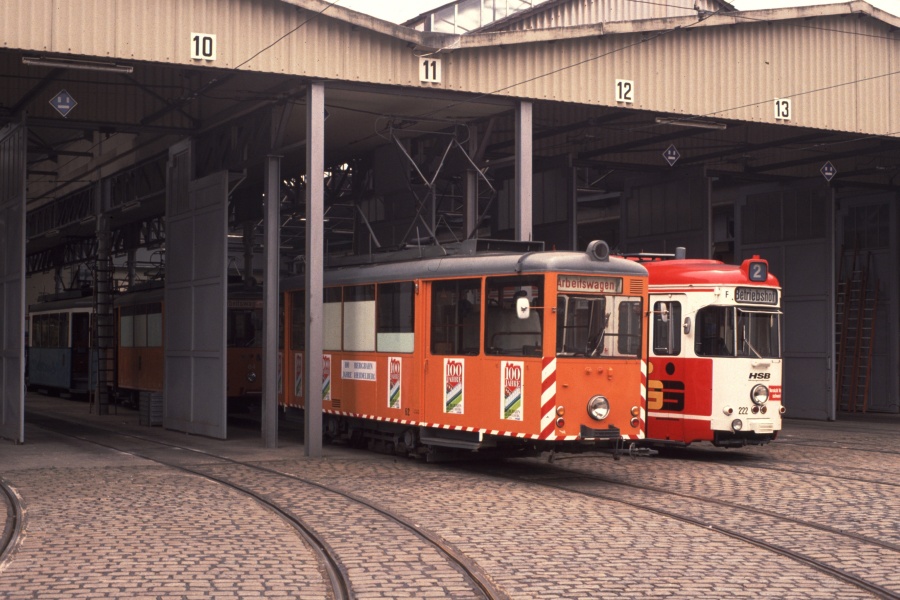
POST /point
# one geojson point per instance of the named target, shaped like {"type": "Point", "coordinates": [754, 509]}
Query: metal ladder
{"type": "Point", "coordinates": [104, 343]}
{"type": "Point", "coordinates": [856, 303]}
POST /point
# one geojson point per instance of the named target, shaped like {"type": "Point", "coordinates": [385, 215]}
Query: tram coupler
{"type": "Point", "coordinates": [633, 450]}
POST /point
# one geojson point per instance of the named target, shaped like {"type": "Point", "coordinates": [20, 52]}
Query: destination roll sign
{"type": "Point", "coordinates": [751, 295]}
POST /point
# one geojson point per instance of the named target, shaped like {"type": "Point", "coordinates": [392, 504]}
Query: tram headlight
{"type": "Point", "coordinates": [598, 408]}
{"type": "Point", "coordinates": [728, 410]}
{"type": "Point", "coordinates": [759, 394]}
{"type": "Point", "coordinates": [737, 425]}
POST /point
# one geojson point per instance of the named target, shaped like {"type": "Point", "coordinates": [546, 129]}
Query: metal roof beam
{"type": "Point", "coordinates": [745, 148]}
{"type": "Point", "coordinates": [666, 137]}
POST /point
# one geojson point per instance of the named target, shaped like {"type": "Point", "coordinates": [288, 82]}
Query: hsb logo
{"type": "Point", "coordinates": [757, 376]}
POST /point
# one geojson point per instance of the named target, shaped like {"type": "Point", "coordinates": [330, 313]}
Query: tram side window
{"type": "Point", "coordinates": [51, 331]}
{"type": "Point", "coordinates": [666, 328]}
{"type": "Point", "coordinates": [715, 331]}
{"type": "Point", "coordinates": [126, 327]}
{"type": "Point", "coordinates": [359, 317]}
{"type": "Point", "coordinates": [396, 317]}
{"type": "Point", "coordinates": [456, 316]}
{"type": "Point", "coordinates": [505, 333]}
{"type": "Point", "coordinates": [47, 330]}
{"type": "Point", "coordinates": [140, 326]}
{"type": "Point", "coordinates": [331, 319]}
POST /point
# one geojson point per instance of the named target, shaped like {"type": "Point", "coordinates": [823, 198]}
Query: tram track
{"type": "Point", "coordinates": [806, 471]}
{"type": "Point", "coordinates": [15, 522]}
{"type": "Point", "coordinates": [804, 467]}
{"type": "Point", "coordinates": [337, 574]}
{"type": "Point", "coordinates": [844, 446]}
{"type": "Point", "coordinates": [879, 589]}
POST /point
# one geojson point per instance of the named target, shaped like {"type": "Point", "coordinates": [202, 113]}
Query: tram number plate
{"type": "Point", "coordinates": [743, 410]}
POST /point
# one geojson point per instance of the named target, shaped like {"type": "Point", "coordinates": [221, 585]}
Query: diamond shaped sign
{"type": "Point", "coordinates": [828, 171]}
{"type": "Point", "coordinates": [63, 102]}
{"type": "Point", "coordinates": [671, 155]}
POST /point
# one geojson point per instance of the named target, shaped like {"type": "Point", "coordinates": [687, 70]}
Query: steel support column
{"type": "Point", "coordinates": [270, 304]}
{"type": "Point", "coordinates": [524, 170]}
{"type": "Point", "coordinates": [471, 211]}
{"type": "Point", "coordinates": [315, 214]}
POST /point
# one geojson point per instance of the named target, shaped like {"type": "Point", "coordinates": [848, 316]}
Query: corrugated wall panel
{"type": "Point", "coordinates": [86, 27]}
{"type": "Point", "coordinates": [26, 24]}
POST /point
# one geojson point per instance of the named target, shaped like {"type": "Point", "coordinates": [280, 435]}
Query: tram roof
{"type": "Point", "coordinates": [699, 272]}
{"type": "Point", "coordinates": [475, 264]}
{"type": "Point", "coordinates": [60, 304]}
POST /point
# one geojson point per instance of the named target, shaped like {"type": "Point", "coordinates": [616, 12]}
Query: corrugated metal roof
{"type": "Point", "coordinates": [728, 66]}
{"type": "Point", "coordinates": [570, 13]}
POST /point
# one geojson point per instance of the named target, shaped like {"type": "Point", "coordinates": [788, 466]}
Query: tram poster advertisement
{"type": "Point", "coordinates": [326, 377]}
{"type": "Point", "coordinates": [298, 374]}
{"type": "Point", "coordinates": [395, 372]}
{"type": "Point", "coordinates": [511, 389]}
{"type": "Point", "coordinates": [279, 374]}
{"type": "Point", "coordinates": [454, 376]}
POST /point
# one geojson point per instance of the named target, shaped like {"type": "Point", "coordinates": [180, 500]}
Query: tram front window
{"type": "Point", "coordinates": [731, 331]}
{"type": "Point", "coordinates": [759, 334]}
{"type": "Point", "coordinates": [598, 326]}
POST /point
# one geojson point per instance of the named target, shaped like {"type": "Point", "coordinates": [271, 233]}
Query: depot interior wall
{"type": "Point", "coordinates": [662, 211]}
{"type": "Point", "coordinates": [867, 229]}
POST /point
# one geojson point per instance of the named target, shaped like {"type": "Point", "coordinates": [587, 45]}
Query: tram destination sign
{"type": "Point", "coordinates": [585, 284]}
{"type": "Point", "coordinates": [752, 295]}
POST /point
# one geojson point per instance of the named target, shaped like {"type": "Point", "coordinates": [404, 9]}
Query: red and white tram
{"type": "Point", "coordinates": [715, 362]}
{"type": "Point", "coordinates": [484, 346]}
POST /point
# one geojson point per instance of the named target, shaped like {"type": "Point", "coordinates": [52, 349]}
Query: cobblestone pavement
{"type": "Point", "coordinates": [103, 524]}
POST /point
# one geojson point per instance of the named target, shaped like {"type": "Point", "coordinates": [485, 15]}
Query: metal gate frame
{"type": "Point", "coordinates": [196, 300]}
{"type": "Point", "coordinates": [13, 149]}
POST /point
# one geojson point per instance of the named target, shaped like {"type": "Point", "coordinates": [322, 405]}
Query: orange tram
{"type": "Point", "coordinates": [486, 345]}
{"type": "Point", "coordinates": [715, 372]}
{"type": "Point", "coordinates": [140, 352]}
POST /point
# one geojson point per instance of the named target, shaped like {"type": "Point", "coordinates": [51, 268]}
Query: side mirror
{"type": "Point", "coordinates": [664, 312]}
{"type": "Point", "coordinates": [523, 307]}
{"type": "Point", "coordinates": [687, 325]}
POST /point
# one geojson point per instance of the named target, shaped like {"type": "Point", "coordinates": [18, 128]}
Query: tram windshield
{"type": "Point", "coordinates": [598, 326]}
{"type": "Point", "coordinates": [733, 331]}
{"type": "Point", "coordinates": [244, 327]}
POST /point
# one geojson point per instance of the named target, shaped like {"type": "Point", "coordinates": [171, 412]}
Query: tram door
{"type": "Point", "coordinates": [482, 369]}
{"type": "Point", "coordinates": [666, 377]}
{"type": "Point", "coordinates": [451, 354]}
{"type": "Point", "coordinates": [81, 350]}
